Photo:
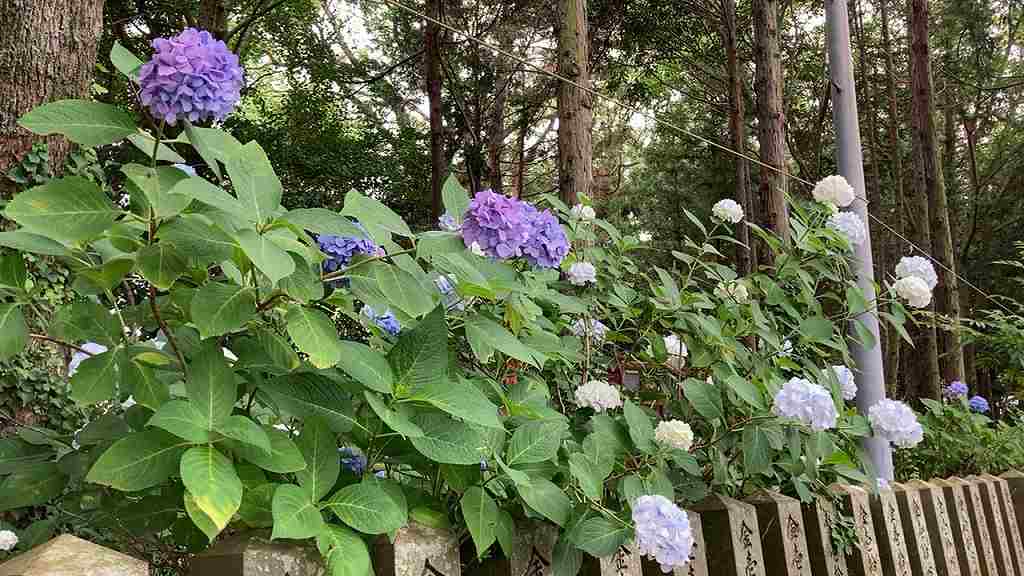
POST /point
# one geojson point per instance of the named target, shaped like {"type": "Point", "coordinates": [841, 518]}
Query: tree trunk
{"type": "Point", "coordinates": [438, 166]}
{"type": "Point", "coordinates": [575, 106]}
{"type": "Point", "coordinates": [213, 17]}
{"type": "Point", "coordinates": [942, 241]}
{"type": "Point", "coordinates": [47, 53]}
{"type": "Point", "coordinates": [971, 373]}
{"type": "Point", "coordinates": [745, 254]}
{"type": "Point", "coordinates": [771, 119]}
{"type": "Point", "coordinates": [496, 138]}
{"type": "Point", "coordinates": [926, 178]}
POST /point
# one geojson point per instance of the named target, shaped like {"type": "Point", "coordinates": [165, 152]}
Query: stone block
{"type": "Point", "coordinates": [1013, 537]}
{"type": "Point", "coordinates": [782, 534]}
{"type": "Point", "coordinates": [996, 527]}
{"type": "Point", "coordinates": [892, 545]}
{"type": "Point", "coordinates": [960, 527]}
{"type": "Point", "coordinates": [417, 550]}
{"type": "Point", "coordinates": [698, 565]}
{"type": "Point", "coordinates": [67, 555]}
{"type": "Point", "coordinates": [1015, 483]}
{"type": "Point", "coordinates": [818, 518]}
{"type": "Point", "coordinates": [732, 537]}
{"type": "Point", "coordinates": [915, 530]}
{"type": "Point", "coordinates": [254, 554]}
{"type": "Point", "coordinates": [534, 549]}
{"type": "Point", "coordinates": [940, 531]}
{"type": "Point", "coordinates": [983, 538]}
{"type": "Point", "coordinates": [625, 562]}
{"type": "Point", "coordinates": [863, 559]}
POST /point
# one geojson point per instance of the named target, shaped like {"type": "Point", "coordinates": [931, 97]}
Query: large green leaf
{"type": "Point", "coordinates": [68, 210]}
{"type": "Point", "coordinates": [86, 321]}
{"type": "Point", "coordinates": [268, 257]}
{"type": "Point", "coordinates": [704, 397]}
{"type": "Point", "coordinates": [295, 514]}
{"type": "Point", "coordinates": [745, 389]}
{"type": "Point", "coordinates": [256, 184]}
{"type": "Point", "coordinates": [144, 142]}
{"type": "Point", "coordinates": [535, 442]}
{"type": "Point", "coordinates": [212, 144]}
{"type": "Point", "coordinates": [83, 122]}
{"type": "Point", "coordinates": [16, 454]}
{"type": "Point", "coordinates": [366, 365]}
{"type": "Point", "coordinates": [368, 508]}
{"type": "Point", "coordinates": [543, 496]}
{"type": "Point", "coordinates": [205, 524]}
{"type": "Point", "coordinates": [156, 184]}
{"type": "Point", "coordinates": [31, 486]}
{"type": "Point", "coordinates": [394, 419]}
{"type": "Point", "coordinates": [455, 198]}
{"type": "Point", "coordinates": [142, 382]}
{"type": "Point", "coordinates": [598, 536]}
{"type": "Point", "coordinates": [566, 559]}
{"type": "Point", "coordinates": [201, 190]}
{"type": "Point", "coordinates": [459, 399]}
{"type": "Point", "coordinates": [588, 474]}
{"type": "Point", "coordinates": [211, 479]}
{"type": "Point", "coordinates": [345, 552]}
{"type": "Point", "coordinates": [28, 242]}
{"type": "Point", "coordinates": [256, 509]}
{"type": "Point", "coordinates": [323, 221]}
{"type": "Point", "coordinates": [304, 284]}
{"type": "Point", "coordinates": [756, 451]}
{"type": "Point", "coordinates": [211, 386]}
{"type": "Point", "coordinates": [319, 447]}
{"type": "Point", "coordinates": [138, 461]}
{"type": "Point", "coordinates": [245, 430]}
{"type": "Point", "coordinates": [125, 62]}
{"type": "Point", "coordinates": [816, 329]}
{"type": "Point", "coordinates": [13, 273]}
{"type": "Point", "coordinates": [449, 441]}
{"type": "Point", "coordinates": [197, 239]}
{"type": "Point", "coordinates": [284, 456]}
{"type": "Point", "coordinates": [481, 514]}
{"type": "Point", "coordinates": [105, 276]}
{"type": "Point", "coordinates": [161, 264]}
{"type": "Point", "coordinates": [481, 329]}
{"type": "Point", "coordinates": [222, 307]}
{"type": "Point", "coordinates": [307, 394]}
{"type": "Point", "coordinates": [421, 355]}
{"type": "Point", "coordinates": [315, 335]}
{"type": "Point", "coordinates": [373, 213]}
{"type": "Point", "coordinates": [96, 378]}
{"type": "Point", "coordinates": [640, 428]}
{"type": "Point", "coordinates": [13, 331]}
{"type": "Point", "coordinates": [403, 291]}
{"type": "Point", "coordinates": [180, 418]}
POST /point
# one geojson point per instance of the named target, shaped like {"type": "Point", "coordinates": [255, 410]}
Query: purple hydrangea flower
{"type": "Point", "coordinates": [662, 531]}
{"type": "Point", "coordinates": [386, 321]}
{"type": "Point", "coordinates": [447, 223]}
{"type": "Point", "coordinates": [352, 460]}
{"type": "Point", "coordinates": [808, 402]}
{"type": "Point", "coordinates": [547, 245]}
{"type": "Point", "coordinates": [978, 404]}
{"type": "Point", "coordinates": [955, 390]}
{"type": "Point", "coordinates": [894, 421]}
{"type": "Point", "coordinates": [192, 75]}
{"type": "Point", "coordinates": [497, 224]}
{"type": "Point", "coordinates": [341, 249]}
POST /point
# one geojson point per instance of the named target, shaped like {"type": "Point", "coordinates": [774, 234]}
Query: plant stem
{"type": "Point", "coordinates": [60, 343]}
{"type": "Point", "coordinates": [163, 328]}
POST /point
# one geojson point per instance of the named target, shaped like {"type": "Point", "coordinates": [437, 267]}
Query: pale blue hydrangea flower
{"type": "Point", "coordinates": [386, 321]}
{"type": "Point", "coordinates": [446, 286]}
{"type": "Point", "coordinates": [807, 402]}
{"type": "Point", "coordinates": [447, 223]}
{"type": "Point", "coordinates": [894, 421]}
{"type": "Point", "coordinates": [847, 384]}
{"type": "Point", "coordinates": [581, 273]}
{"type": "Point", "coordinates": [597, 329]}
{"type": "Point", "coordinates": [352, 460]}
{"type": "Point", "coordinates": [978, 404]}
{"type": "Point", "coordinates": [849, 226]}
{"type": "Point", "coordinates": [955, 390]}
{"type": "Point", "coordinates": [662, 531]}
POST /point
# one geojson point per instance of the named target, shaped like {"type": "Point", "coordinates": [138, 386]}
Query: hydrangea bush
{"type": "Point", "coordinates": [517, 364]}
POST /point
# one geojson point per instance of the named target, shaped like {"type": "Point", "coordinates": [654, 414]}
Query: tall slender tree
{"type": "Point", "coordinates": [771, 117]}
{"type": "Point", "coordinates": [575, 106]}
{"type": "Point", "coordinates": [737, 133]}
{"type": "Point", "coordinates": [438, 165]}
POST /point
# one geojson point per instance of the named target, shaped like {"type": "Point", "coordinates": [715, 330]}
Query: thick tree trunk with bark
{"type": "Point", "coordinates": [438, 166]}
{"type": "Point", "coordinates": [47, 53]}
{"type": "Point", "coordinates": [952, 359]}
{"type": "Point", "coordinates": [575, 106]}
{"type": "Point", "coordinates": [927, 176]}
{"type": "Point", "coordinates": [745, 254]}
{"type": "Point", "coordinates": [213, 17]}
{"type": "Point", "coordinates": [771, 119]}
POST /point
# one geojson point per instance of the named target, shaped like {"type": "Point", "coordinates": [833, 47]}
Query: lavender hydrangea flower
{"type": "Point", "coordinates": [91, 349]}
{"type": "Point", "coordinates": [582, 273]}
{"type": "Point", "coordinates": [847, 384]}
{"type": "Point", "coordinates": [341, 249]}
{"type": "Point", "coordinates": [192, 75]}
{"type": "Point", "coordinates": [386, 321]}
{"type": "Point", "coordinates": [597, 329]}
{"type": "Point", "coordinates": [894, 421]}
{"type": "Point", "coordinates": [978, 404]}
{"type": "Point", "coordinates": [499, 225]}
{"type": "Point", "coordinates": [807, 402]}
{"type": "Point", "coordinates": [955, 390]}
{"type": "Point", "coordinates": [447, 223]}
{"type": "Point", "coordinates": [352, 460]}
{"type": "Point", "coordinates": [662, 531]}
{"type": "Point", "coordinates": [546, 245]}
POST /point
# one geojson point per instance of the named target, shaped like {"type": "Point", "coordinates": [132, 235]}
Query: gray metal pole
{"type": "Point", "coordinates": [869, 374]}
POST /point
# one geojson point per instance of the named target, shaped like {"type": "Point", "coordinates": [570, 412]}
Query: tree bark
{"type": "Point", "coordinates": [575, 106]}
{"type": "Point", "coordinates": [213, 17]}
{"type": "Point", "coordinates": [47, 53]}
{"type": "Point", "coordinates": [745, 254]}
{"type": "Point", "coordinates": [927, 177]}
{"type": "Point", "coordinates": [496, 138]}
{"type": "Point", "coordinates": [438, 166]}
{"type": "Point", "coordinates": [771, 119]}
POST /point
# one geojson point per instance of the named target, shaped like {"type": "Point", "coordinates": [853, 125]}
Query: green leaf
{"type": "Point", "coordinates": [482, 329]}
{"type": "Point", "coordinates": [31, 486]}
{"type": "Point", "coordinates": [268, 257]}
{"type": "Point", "coordinates": [436, 243]}
{"type": "Point", "coordinates": [144, 143]}
{"type": "Point", "coordinates": [220, 307]}
{"type": "Point", "coordinates": [255, 182]}
{"type": "Point", "coordinates": [96, 378]}
{"type": "Point", "coordinates": [13, 331]}
{"type": "Point", "coordinates": [156, 185]}
{"type": "Point", "coordinates": [368, 508]}
{"type": "Point", "coordinates": [588, 474]}
{"type": "Point", "coordinates": [107, 275]}
{"type": "Point", "coordinates": [304, 284]}
{"type": "Point", "coordinates": [373, 213]}
{"type": "Point", "coordinates": [212, 145]}
{"type": "Point", "coordinates": [12, 270]}
{"type": "Point", "coordinates": [756, 451]}
{"type": "Point", "coordinates": [598, 536]}
{"type": "Point", "coordinates": [459, 399]}
{"type": "Point", "coordinates": [393, 419]}
{"type": "Point", "coordinates": [201, 190]}
{"type": "Point", "coordinates": [816, 329]}
{"type": "Point", "coordinates": [455, 198]}
{"type": "Point", "coordinates": [161, 264]}
{"type": "Point", "coordinates": [211, 479]}
{"type": "Point", "coordinates": [28, 242]}
{"type": "Point", "coordinates": [125, 62]}
{"type": "Point", "coordinates": [199, 518]}
{"type": "Point", "coordinates": [705, 398]}
{"type": "Point", "coordinates": [319, 448]}
{"type": "Point", "coordinates": [16, 454]}
{"type": "Point", "coordinates": [245, 430]}
{"type": "Point", "coordinates": [68, 210]}
{"type": "Point", "coordinates": [345, 552]}
{"type": "Point", "coordinates": [295, 515]}
{"type": "Point", "coordinates": [315, 335]}
{"type": "Point", "coordinates": [746, 390]}
{"type": "Point", "coordinates": [306, 394]}
{"type": "Point", "coordinates": [196, 239]}
{"type": "Point", "coordinates": [548, 499]}
{"type": "Point", "coordinates": [284, 457]}
{"type": "Point", "coordinates": [421, 355]}
{"type": "Point", "coordinates": [369, 367]}
{"type": "Point", "coordinates": [535, 442]}
{"type": "Point", "coordinates": [86, 321]}
{"type": "Point", "coordinates": [256, 509]}
{"type": "Point", "coordinates": [448, 441]}
{"type": "Point", "coordinates": [181, 419]}
{"type": "Point", "coordinates": [83, 122]}
{"type": "Point", "coordinates": [505, 532]}
{"type": "Point", "coordinates": [566, 559]}
{"type": "Point", "coordinates": [403, 291]}
{"type": "Point", "coordinates": [323, 221]}
{"type": "Point", "coordinates": [139, 380]}
{"type": "Point", "coordinates": [640, 428]}
{"type": "Point", "coordinates": [211, 386]}
{"type": "Point", "coordinates": [481, 513]}
{"type": "Point", "coordinates": [138, 461]}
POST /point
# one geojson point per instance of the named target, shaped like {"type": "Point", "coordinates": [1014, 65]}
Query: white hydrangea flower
{"type": "Point", "coordinates": [847, 384]}
{"type": "Point", "coordinates": [599, 395]}
{"type": "Point", "coordinates": [644, 236]}
{"type": "Point", "coordinates": [8, 540]}
{"type": "Point", "coordinates": [894, 421]}
{"type": "Point", "coordinates": [674, 434]}
{"type": "Point", "coordinates": [475, 248]}
{"type": "Point", "coordinates": [914, 290]}
{"type": "Point", "coordinates": [727, 210]}
{"type": "Point", "coordinates": [849, 226]}
{"type": "Point", "coordinates": [597, 329]}
{"type": "Point", "coordinates": [834, 190]}
{"type": "Point", "coordinates": [733, 290]}
{"type": "Point", "coordinates": [582, 212]}
{"type": "Point", "coordinates": [91, 349]}
{"type": "Point", "coordinates": [581, 273]}
{"type": "Point", "coordinates": [677, 351]}
{"type": "Point", "coordinates": [808, 402]}
{"type": "Point", "coordinates": [229, 355]}
{"type": "Point", "coordinates": [918, 266]}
